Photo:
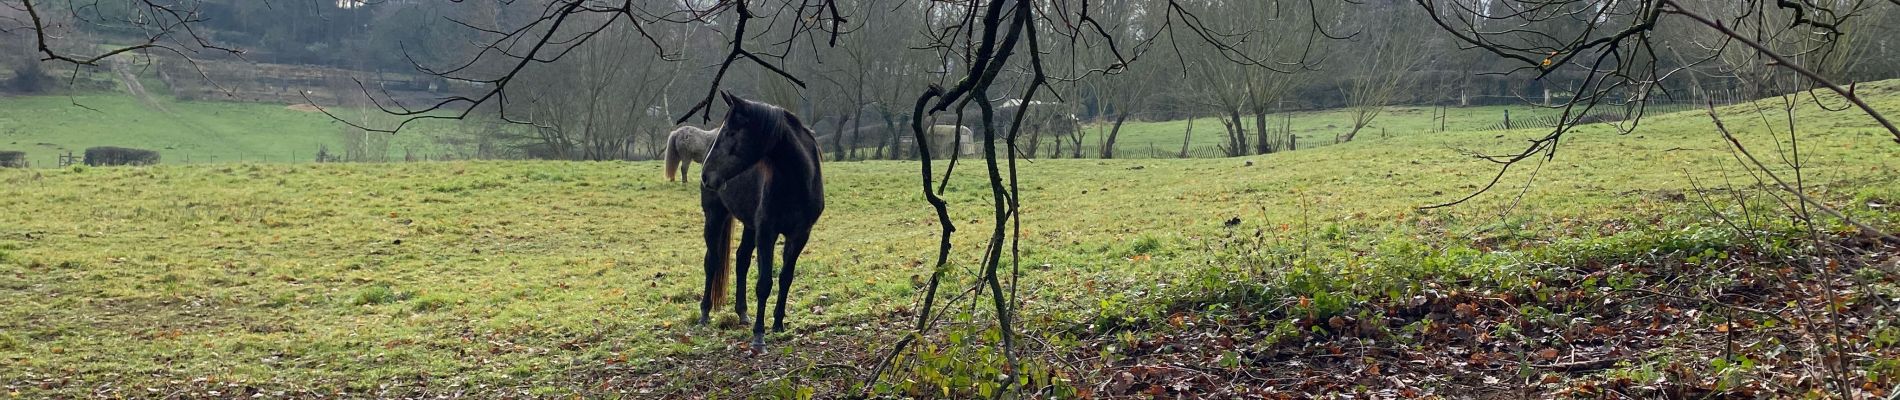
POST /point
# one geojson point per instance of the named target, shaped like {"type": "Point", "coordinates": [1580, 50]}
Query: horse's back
{"type": "Point", "coordinates": [694, 141]}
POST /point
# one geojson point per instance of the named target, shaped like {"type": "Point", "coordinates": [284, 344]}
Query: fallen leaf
{"type": "Point", "coordinates": [1121, 382]}
{"type": "Point", "coordinates": [1466, 310]}
{"type": "Point", "coordinates": [1603, 330]}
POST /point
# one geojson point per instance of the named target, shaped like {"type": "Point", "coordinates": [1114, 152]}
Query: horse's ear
{"type": "Point", "coordinates": [731, 100]}
{"type": "Point", "coordinates": [793, 119]}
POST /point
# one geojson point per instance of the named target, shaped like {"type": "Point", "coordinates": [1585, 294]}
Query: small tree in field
{"type": "Point", "coordinates": [1380, 69]}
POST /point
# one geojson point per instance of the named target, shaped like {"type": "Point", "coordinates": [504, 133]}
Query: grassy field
{"type": "Point", "coordinates": [1145, 139]}
{"type": "Point", "coordinates": [183, 132]}
{"type": "Point", "coordinates": [485, 276]}
{"type": "Point", "coordinates": [195, 132]}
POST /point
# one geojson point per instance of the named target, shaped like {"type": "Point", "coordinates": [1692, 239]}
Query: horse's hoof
{"type": "Point", "coordinates": [778, 328]}
{"type": "Point", "coordinates": [758, 344]}
{"type": "Point", "coordinates": [702, 320]}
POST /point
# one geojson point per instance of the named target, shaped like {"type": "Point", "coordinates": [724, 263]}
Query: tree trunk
{"type": "Point", "coordinates": [837, 139]}
{"type": "Point", "coordinates": [1108, 145]}
{"type": "Point", "coordinates": [857, 128]}
{"type": "Point", "coordinates": [890, 135]}
{"type": "Point", "coordinates": [1265, 144]}
{"type": "Point", "coordinates": [1187, 136]}
{"type": "Point", "coordinates": [1076, 150]}
{"type": "Point", "coordinates": [1286, 130]}
{"type": "Point", "coordinates": [915, 150]}
{"type": "Point", "coordinates": [1035, 141]}
{"type": "Point", "coordinates": [1350, 134]}
{"type": "Point", "coordinates": [1361, 118]}
{"type": "Point", "coordinates": [1237, 134]}
{"type": "Point", "coordinates": [1227, 127]}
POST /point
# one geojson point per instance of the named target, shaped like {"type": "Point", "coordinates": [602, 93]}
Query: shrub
{"type": "Point", "coordinates": [12, 159]}
{"type": "Point", "coordinates": [27, 78]}
{"type": "Point", "coordinates": [108, 155]}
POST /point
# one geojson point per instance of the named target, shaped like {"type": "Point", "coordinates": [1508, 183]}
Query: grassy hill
{"type": "Point", "coordinates": [184, 132]}
{"type": "Point", "coordinates": [549, 278]}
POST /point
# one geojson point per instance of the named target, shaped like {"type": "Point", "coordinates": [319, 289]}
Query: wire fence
{"type": "Point", "coordinates": [1608, 114]}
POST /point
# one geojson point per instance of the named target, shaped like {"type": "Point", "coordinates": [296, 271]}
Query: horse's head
{"type": "Point", "coordinates": [751, 130]}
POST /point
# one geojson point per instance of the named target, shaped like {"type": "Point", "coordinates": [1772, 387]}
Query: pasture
{"type": "Point", "coordinates": [183, 132]}
{"type": "Point", "coordinates": [198, 132]}
{"type": "Point", "coordinates": [1141, 139]}
{"type": "Point", "coordinates": [536, 277]}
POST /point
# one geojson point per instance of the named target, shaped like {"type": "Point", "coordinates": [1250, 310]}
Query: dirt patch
{"type": "Point", "coordinates": [305, 107]}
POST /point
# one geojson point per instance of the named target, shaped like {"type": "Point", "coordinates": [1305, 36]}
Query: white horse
{"type": "Point", "coordinates": [942, 137]}
{"type": "Point", "coordinates": [686, 146]}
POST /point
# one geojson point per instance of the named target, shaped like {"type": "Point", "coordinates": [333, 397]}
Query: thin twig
{"type": "Point", "coordinates": [1790, 65]}
{"type": "Point", "coordinates": [1864, 228]}
{"type": "Point", "coordinates": [1777, 318]}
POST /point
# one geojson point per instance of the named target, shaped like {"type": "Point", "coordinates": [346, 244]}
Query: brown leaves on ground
{"type": "Point", "coordinates": [1671, 339]}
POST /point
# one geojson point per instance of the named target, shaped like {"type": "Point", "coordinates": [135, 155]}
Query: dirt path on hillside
{"type": "Point", "coordinates": [137, 88]}
{"type": "Point", "coordinates": [124, 70]}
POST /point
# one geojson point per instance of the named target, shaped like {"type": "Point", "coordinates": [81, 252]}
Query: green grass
{"type": "Point", "coordinates": [1162, 139]}
{"type": "Point", "coordinates": [517, 274]}
{"type": "Point", "coordinates": [191, 132]}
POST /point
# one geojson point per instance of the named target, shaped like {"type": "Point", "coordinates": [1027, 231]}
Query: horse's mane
{"type": "Point", "coordinates": [767, 114]}
{"type": "Point", "coordinates": [767, 117]}
{"type": "Point", "coordinates": [777, 120]}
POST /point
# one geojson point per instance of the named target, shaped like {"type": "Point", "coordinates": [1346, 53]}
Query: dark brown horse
{"type": "Point", "coordinates": [763, 171]}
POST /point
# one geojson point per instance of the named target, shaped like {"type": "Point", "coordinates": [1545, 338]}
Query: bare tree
{"type": "Point", "coordinates": [1221, 90]}
{"type": "Point", "coordinates": [161, 26]}
{"type": "Point", "coordinates": [1381, 68]}
{"type": "Point", "coordinates": [1116, 95]}
{"type": "Point", "coordinates": [598, 104]}
{"type": "Point", "coordinates": [1267, 90]}
{"type": "Point", "coordinates": [1187, 135]}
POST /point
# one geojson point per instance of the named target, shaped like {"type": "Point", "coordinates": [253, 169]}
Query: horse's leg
{"type": "Point", "coordinates": [766, 238]}
{"type": "Point", "coordinates": [718, 236]}
{"type": "Point", "coordinates": [686, 165]}
{"type": "Point", "coordinates": [745, 263]}
{"type": "Point", "coordinates": [794, 244]}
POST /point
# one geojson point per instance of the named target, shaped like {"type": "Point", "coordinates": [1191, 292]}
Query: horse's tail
{"type": "Point", "coordinates": [722, 246]}
{"type": "Point", "coordinates": [672, 156]}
